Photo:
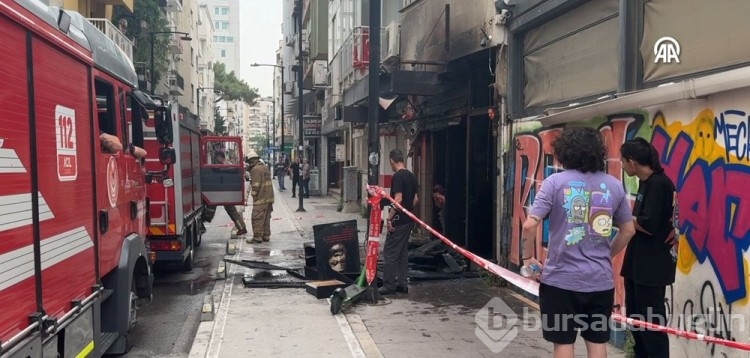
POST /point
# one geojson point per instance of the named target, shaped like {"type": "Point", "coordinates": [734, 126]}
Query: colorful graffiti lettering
{"type": "Point", "coordinates": [710, 183]}
{"type": "Point", "coordinates": [732, 126]}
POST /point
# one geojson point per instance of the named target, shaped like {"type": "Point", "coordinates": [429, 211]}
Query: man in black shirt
{"type": "Point", "coordinates": [648, 266]}
{"type": "Point", "coordinates": [395, 256]}
{"type": "Point", "coordinates": [294, 168]}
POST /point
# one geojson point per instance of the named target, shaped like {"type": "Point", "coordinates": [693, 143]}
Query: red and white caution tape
{"type": "Point", "coordinates": [532, 286]}
{"type": "Point", "coordinates": [373, 240]}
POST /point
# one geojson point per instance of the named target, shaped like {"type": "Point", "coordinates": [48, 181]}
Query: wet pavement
{"type": "Point", "coordinates": [436, 318]}
{"type": "Point", "coordinates": [166, 326]}
{"type": "Point", "coordinates": [268, 321]}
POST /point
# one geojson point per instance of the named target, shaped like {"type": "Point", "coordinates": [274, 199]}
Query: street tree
{"type": "Point", "coordinates": [219, 122]}
{"type": "Point", "coordinates": [234, 89]}
{"type": "Point", "coordinates": [144, 19]}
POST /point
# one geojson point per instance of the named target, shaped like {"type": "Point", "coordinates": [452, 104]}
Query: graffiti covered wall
{"type": "Point", "coordinates": [705, 149]}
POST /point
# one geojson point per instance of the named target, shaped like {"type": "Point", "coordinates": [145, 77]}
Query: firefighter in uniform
{"type": "Point", "coordinates": [262, 191]}
{"type": "Point", "coordinates": [209, 211]}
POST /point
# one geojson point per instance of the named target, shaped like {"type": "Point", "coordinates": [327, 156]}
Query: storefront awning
{"type": "Point", "coordinates": [672, 92]}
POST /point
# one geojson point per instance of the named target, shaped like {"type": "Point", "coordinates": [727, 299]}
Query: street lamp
{"type": "Point", "coordinates": [274, 102]}
{"type": "Point", "coordinates": [300, 115]}
{"type": "Point", "coordinates": [185, 37]}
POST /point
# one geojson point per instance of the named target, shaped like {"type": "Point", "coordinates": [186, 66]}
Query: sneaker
{"type": "Point", "coordinates": [254, 240]}
{"type": "Point", "coordinates": [402, 289]}
{"type": "Point", "coordinates": [241, 232]}
{"type": "Point", "coordinates": [266, 239]}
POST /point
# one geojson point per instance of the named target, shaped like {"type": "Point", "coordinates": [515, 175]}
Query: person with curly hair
{"type": "Point", "coordinates": [584, 204]}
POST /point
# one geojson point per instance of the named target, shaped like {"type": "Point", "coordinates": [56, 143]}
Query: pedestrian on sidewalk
{"type": "Point", "coordinates": [263, 198]}
{"type": "Point", "coordinates": [583, 204]}
{"type": "Point", "coordinates": [295, 174]}
{"type": "Point", "coordinates": [305, 172]}
{"type": "Point", "coordinates": [280, 174]}
{"type": "Point", "coordinates": [209, 211]}
{"type": "Point", "coordinates": [404, 187]}
{"type": "Point", "coordinates": [648, 266]}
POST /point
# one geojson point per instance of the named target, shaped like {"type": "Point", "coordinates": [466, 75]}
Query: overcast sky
{"type": "Point", "coordinates": [260, 32]}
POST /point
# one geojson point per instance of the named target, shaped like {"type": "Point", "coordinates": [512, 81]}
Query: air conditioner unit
{"type": "Point", "coordinates": [391, 45]}
{"type": "Point", "coordinates": [290, 40]}
{"type": "Point", "coordinates": [289, 88]}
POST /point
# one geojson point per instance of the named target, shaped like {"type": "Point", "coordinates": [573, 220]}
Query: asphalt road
{"type": "Point", "coordinates": [167, 326]}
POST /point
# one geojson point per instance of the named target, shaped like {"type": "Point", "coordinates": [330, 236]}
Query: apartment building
{"type": "Point", "coordinates": [226, 17]}
{"type": "Point", "coordinates": [205, 93]}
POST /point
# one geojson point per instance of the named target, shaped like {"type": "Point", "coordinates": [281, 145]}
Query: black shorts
{"type": "Point", "coordinates": [565, 312]}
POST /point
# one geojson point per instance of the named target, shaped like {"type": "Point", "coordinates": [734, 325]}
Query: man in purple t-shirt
{"type": "Point", "coordinates": [583, 204]}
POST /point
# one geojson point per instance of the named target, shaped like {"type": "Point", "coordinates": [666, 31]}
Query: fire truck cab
{"type": "Point", "coordinates": [73, 259]}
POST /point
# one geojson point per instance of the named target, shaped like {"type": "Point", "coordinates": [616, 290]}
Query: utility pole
{"type": "Point", "coordinates": [373, 108]}
{"type": "Point", "coordinates": [300, 116]}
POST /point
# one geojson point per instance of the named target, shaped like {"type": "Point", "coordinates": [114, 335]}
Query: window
{"type": "Point", "coordinates": [105, 98]}
{"type": "Point", "coordinates": [230, 38]}
{"type": "Point", "coordinates": [223, 53]}
{"type": "Point", "coordinates": [222, 39]}
{"type": "Point", "coordinates": [125, 123]}
{"type": "Point", "coordinates": [217, 24]}
{"type": "Point", "coordinates": [216, 10]}
{"type": "Point", "coordinates": [225, 10]}
{"type": "Point", "coordinates": [138, 116]}
{"type": "Point", "coordinates": [105, 105]}
{"type": "Point", "coordinates": [225, 25]}
{"type": "Point", "coordinates": [192, 93]}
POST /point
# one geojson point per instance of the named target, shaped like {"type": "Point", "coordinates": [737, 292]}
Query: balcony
{"type": "Point", "coordinates": [175, 45]}
{"type": "Point", "coordinates": [171, 5]}
{"type": "Point", "coordinates": [354, 55]}
{"type": "Point", "coordinates": [176, 85]}
{"type": "Point", "coordinates": [114, 34]}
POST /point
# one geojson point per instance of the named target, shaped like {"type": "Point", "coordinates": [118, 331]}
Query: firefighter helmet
{"type": "Point", "coordinates": [252, 154]}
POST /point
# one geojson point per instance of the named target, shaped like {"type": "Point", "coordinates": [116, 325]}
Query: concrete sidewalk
{"type": "Point", "coordinates": [436, 318]}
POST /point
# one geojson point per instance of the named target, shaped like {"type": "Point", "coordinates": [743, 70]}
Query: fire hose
{"type": "Point", "coordinates": [532, 286]}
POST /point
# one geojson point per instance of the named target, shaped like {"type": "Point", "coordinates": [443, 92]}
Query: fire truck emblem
{"type": "Point", "coordinates": [112, 182]}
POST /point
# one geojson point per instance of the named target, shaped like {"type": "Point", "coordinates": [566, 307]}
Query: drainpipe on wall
{"type": "Point", "coordinates": [500, 184]}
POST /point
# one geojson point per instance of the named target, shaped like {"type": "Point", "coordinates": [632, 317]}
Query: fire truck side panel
{"type": "Point", "coordinates": [196, 148]}
{"type": "Point", "coordinates": [175, 195]}
{"type": "Point", "coordinates": [17, 285]}
{"type": "Point", "coordinates": [63, 137]}
{"type": "Point", "coordinates": [174, 212]}
{"type": "Point", "coordinates": [190, 171]}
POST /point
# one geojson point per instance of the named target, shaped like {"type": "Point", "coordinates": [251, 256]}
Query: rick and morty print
{"type": "Point", "coordinates": [588, 211]}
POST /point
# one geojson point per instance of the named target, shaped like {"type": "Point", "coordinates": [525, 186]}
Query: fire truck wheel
{"type": "Point", "coordinates": [198, 235]}
{"type": "Point", "coordinates": [188, 265]}
{"type": "Point", "coordinates": [133, 316]}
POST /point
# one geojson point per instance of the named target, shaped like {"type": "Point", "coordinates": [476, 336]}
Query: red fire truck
{"type": "Point", "coordinates": [175, 219]}
{"type": "Point", "coordinates": [73, 259]}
